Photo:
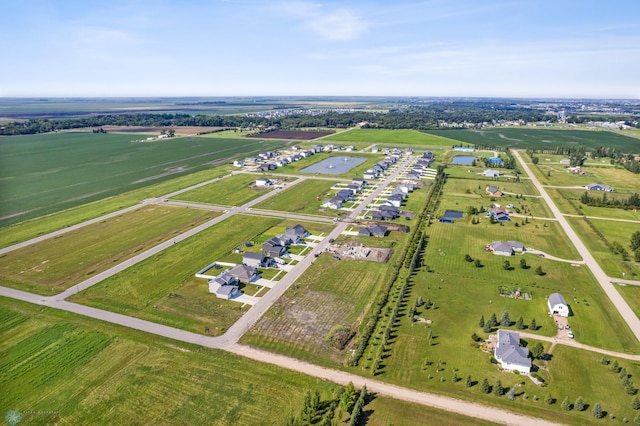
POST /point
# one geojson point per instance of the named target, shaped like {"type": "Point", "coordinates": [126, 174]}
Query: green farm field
{"type": "Point", "coordinates": [26, 230]}
{"type": "Point", "coordinates": [164, 289]}
{"type": "Point", "coordinates": [305, 197]}
{"type": "Point", "coordinates": [391, 137]}
{"type": "Point", "coordinates": [41, 174]}
{"type": "Point", "coordinates": [231, 191]}
{"type": "Point", "coordinates": [90, 372]}
{"type": "Point", "coordinates": [613, 231]}
{"type": "Point", "coordinates": [631, 294]}
{"type": "Point", "coordinates": [594, 318]}
{"type": "Point", "coordinates": [523, 138]}
{"type": "Point", "coordinates": [55, 264]}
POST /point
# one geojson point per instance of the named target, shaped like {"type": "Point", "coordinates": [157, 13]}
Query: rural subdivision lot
{"type": "Point", "coordinates": [408, 309]}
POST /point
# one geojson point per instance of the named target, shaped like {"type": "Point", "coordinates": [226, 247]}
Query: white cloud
{"type": "Point", "coordinates": [339, 24]}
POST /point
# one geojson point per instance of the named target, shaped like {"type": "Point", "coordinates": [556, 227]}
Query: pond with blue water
{"type": "Point", "coordinates": [463, 160]}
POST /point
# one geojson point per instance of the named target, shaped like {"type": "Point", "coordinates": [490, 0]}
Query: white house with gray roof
{"type": "Point", "coordinates": [510, 354]}
{"type": "Point", "coordinates": [557, 305]}
{"type": "Point", "coordinates": [506, 248]}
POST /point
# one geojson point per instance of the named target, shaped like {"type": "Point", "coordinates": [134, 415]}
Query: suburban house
{"type": "Point", "coordinates": [238, 163]}
{"type": "Point", "coordinates": [274, 249]}
{"type": "Point", "coordinates": [333, 202]}
{"type": "Point", "coordinates": [395, 199]}
{"type": "Point", "coordinates": [499, 214]}
{"type": "Point", "coordinates": [575, 170]}
{"type": "Point", "coordinates": [298, 231]}
{"type": "Point", "coordinates": [428, 155]}
{"type": "Point", "coordinates": [493, 191]}
{"type": "Point", "coordinates": [358, 181]}
{"type": "Point", "coordinates": [598, 187]}
{"type": "Point", "coordinates": [224, 286]}
{"type": "Point", "coordinates": [506, 248]}
{"type": "Point", "coordinates": [244, 273]}
{"type": "Point", "coordinates": [557, 305]}
{"type": "Point", "coordinates": [491, 173]}
{"type": "Point", "coordinates": [384, 214]}
{"type": "Point", "coordinates": [413, 176]}
{"type": "Point", "coordinates": [263, 182]}
{"type": "Point", "coordinates": [510, 354]}
{"type": "Point", "coordinates": [373, 231]}
{"type": "Point", "coordinates": [370, 174]}
{"type": "Point", "coordinates": [345, 194]}
{"type": "Point", "coordinates": [257, 260]}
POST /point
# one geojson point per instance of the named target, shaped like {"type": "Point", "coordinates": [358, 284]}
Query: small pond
{"type": "Point", "coordinates": [334, 165]}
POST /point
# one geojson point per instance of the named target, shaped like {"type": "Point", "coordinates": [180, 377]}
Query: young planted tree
{"type": "Point", "coordinates": [548, 399]}
{"type": "Point", "coordinates": [539, 271]}
{"type": "Point", "coordinates": [523, 263]}
{"type": "Point", "coordinates": [615, 367]}
{"type": "Point", "coordinates": [493, 321]}
{"type": "Point", "coordinates": [566, 404]}
{"type": "Point", "coordinates": [506, 265]}
{"type": "Point", "coordinates": [481, 322]}
{"type": "Point", "coordinates": [505, 321]}
{"type": "Point", "coordinates": [498, 390]}
{"type": "Point", "coordinates": [485, 387]}
{"type": "Point", "coordinates": [579, 404]}
{"type": "Point", "coordinates": [511, 395]}
{"type": "Point", "coordinates": [468, 382]}
{"type": "Point", "coordinates": [348, 398]}
{"type": "Point", "coordinates": [468, 258]}
{"type": "Point", "coordinates": [520, 323]}
{"type": "Point", "coordinates": [532, 325]}
{"type": "Point", "coordinates": [597, 411]}
{"type": "Point", "coordinates": [478, 263]}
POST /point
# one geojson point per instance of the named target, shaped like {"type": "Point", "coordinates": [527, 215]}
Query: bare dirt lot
{"type": "Point", "coordinates": [356, 251]}
{"type": "Point", "coordinates": [301, 135]}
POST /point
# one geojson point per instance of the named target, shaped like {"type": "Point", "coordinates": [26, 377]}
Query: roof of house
{"type": "Point", "coordinates": [378, 230]}
{"type": "Point", "coordinates": [253, 256]}
{"type": "Point", "coordinates": [599, 187]}
{"type": "Point", "coordinates": [556, 299]}
{"type": "Point", "coordinates": [297, 230]}
{"type": "Point", "coordinates": [492, 188]}
{"type": "Point", "coordinates": [364, 232]}
{"type": "Point", "coordinates": [225, 279]}
{"type": "Point", "coordinates": [501, 246]}
{"type": "Point", "coordinates": [226, 290]}
{"type": "Point", "coordinates": [397, 197]}
{"type": "Point", "coordinates": [243, 272]}
{"type": "Point", "coordinates": [508, 349]}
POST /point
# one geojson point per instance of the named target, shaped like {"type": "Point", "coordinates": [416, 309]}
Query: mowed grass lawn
{"type": "Point", "coordinates": [463, 193]}
{"type": "Point", "coordinates": [623, 181]}
{"type": "Point", "coordinates": [231, 191]}
{"type": "Point", "coordinates": [55, 264]}
{"type": "Point", "coordinates": [470, 292]}
{"type": "Point", "coordinates": [330, 293]}
{"type": "Point", "coordinates": [305, 197]}
{"type": "Point", "coordinates": [42, 174]}
{"type": "Point", "coordinates": [164, 289]}
{"type": "Point", "coordinates": [57, 367]}
{"type": "Point", "coordinates": [631, 294]}
{"type": "Point", "coordinates": [613, 231]}
{"type": "Point", "coordinates": [32, 228]}
{"type": "Point", "coordinates": [392, 137]}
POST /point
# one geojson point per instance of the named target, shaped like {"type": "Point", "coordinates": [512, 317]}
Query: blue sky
{"type": "Point", "coordinates": [248, 48]}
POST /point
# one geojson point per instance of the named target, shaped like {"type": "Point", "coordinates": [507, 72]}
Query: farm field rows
{"type": "Point", "coordinates": [536, 138]}
{"type": "Point", "coordinates": [164, 289]}
{"type": "Point", "coordinates": [43, 225]}
{"type": "Point", "coordinates": [42, 174]}
{"type": "Point", "coordinates": [56, 264]}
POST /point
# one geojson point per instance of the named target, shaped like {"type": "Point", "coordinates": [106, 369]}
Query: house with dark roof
{"type": "Point", "coordinates": [557, 305]}
{"type": "Point", "coordinates": [378, 231]}
{"type": "Point", "coordinates": [273, 249]}
{"type": "Point", "coordinates": [224, 286]}
{"type": "Point", "coordinates": [346, 194]}
{"type": "Point", "coordinates": [333, 202]}
{"type": "Point", "coordinates": [510, 354]}
{"type": "Point", "coordinates": [493, 191]}
{"type": "Point", "coordinates": [395, 199]}
{"type": "Point", "coordinates": [358, 181]}
{"type": "Point", "coordinates": [257, 260]}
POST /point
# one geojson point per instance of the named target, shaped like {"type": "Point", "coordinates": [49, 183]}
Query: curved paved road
{"type": "Point", "coordinates": [605, 282]}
